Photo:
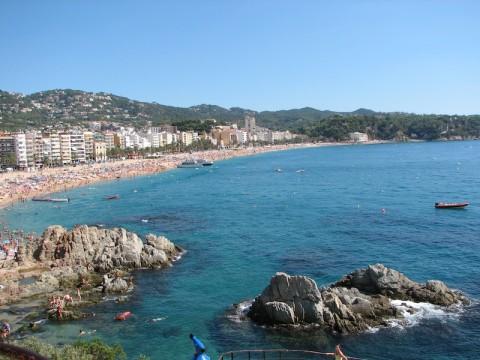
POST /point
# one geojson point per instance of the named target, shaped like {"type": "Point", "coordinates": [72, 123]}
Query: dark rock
{"type": "Point", "coordinates": [357, 302]}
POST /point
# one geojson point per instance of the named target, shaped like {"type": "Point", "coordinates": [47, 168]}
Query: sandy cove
{"type": "Point", "coordinates": [21, 186]}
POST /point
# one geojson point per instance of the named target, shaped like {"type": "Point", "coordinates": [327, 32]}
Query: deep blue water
{"type": "Point", "coordinates": [241, 222]}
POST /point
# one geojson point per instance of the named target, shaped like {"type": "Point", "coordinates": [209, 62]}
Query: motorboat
{"type": "Point", "coordinates": [442, 205]}
{"type": "Point", "coordinates": [112, 197]}
{"type": "Point", "coordinates": [195, 163]}
{"type": "Point", "coordinates": [205, 162]}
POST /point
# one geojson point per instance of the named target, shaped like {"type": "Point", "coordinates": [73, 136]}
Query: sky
{"type": "Point", "coordinates": [416, 56]}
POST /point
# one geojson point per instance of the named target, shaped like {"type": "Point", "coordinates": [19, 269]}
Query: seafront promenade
{"type": "Point", "coordinates": [21, 186]}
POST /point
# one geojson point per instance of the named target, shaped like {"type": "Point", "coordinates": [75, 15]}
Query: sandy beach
{"type": "Point", "coordinates": [21, 186]}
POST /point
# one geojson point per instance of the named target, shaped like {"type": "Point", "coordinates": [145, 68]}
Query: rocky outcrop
{"type": "Point", "coordinates": [114, 284]}
{"type": "Point", "coordinates": [377, 279]}
{"type": "Point", "coordinates": [61, 260]}
{"type": "Point", "coordinates": [101, 250]}
{"type": "Point", "coordinates": [357, 302]}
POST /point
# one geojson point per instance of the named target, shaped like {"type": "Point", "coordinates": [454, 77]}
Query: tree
{"type": "Point", "coordinates": [9, 159]}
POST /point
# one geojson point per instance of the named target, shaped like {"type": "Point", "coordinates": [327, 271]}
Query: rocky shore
{"type": "Point", "coordinates": [357, 302]}
{"type": "Point", "coordinates": [90, 259]}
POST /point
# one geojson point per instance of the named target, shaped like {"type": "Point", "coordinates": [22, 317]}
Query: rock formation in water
{"type": "Point", "coordinates": [61, 259]}
{"type": "Point", "coordinates": [357, 302]}
{"type": "Point", "coordinates": [101, 250]}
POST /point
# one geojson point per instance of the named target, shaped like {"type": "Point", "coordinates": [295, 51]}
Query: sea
{"type": "Point", "coordinates": [321, 212]}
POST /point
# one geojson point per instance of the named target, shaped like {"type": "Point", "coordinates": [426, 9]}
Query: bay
{"type": "Point", "coordinates": [241, 221]}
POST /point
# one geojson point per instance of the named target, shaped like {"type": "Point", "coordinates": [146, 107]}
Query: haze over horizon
{"type": "Point", "coordinates": [419, 57]}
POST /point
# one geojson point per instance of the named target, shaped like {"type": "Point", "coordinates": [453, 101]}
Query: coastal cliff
{"type": "Point", "coordinates": [96, 259]}
{"type": "Point", "coordinates": [359, 301]}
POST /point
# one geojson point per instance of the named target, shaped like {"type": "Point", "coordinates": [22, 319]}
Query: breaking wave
{"type": "Point", "coordinates": [412, 313]}
{"type": "Point", "coordinates": [239, 311]}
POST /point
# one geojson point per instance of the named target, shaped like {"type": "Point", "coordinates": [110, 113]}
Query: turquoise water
{"type": "Point", "coordinates": [241, 222]}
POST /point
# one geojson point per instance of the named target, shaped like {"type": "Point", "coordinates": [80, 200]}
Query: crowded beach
{"type": "Point", "coordinates": [22, 186]}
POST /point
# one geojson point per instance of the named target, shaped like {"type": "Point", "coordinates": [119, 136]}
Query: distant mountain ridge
{"type": "Point", "coordinates": [72, 107]}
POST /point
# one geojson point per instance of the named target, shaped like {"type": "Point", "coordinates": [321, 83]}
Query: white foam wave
{"type": "Point", "coordinates": [179, 256]}
{"type": "Point", "coordinates": [158, 319]}
{"type": "Point", "coordinates": [240, 310]}
{"type": "Point", "coordinates": [412, 313]}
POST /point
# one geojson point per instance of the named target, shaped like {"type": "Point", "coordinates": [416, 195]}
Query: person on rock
{"type": "Point", "coordinates": [199, 349]}
{"type": "Point", "coordinates": [5, 331]}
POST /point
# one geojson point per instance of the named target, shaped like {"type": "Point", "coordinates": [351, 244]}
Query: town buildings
{"type": "Point", "coordinates": [100, 151]}
{"type": "Point", "coordinates": [7, 150]}
{"type": "Point", "coordinates": [358, 137]}
{"type": "Point", "coordinates": [29, 149]}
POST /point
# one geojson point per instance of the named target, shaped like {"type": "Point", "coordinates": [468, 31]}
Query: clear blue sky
{"type": "Point", "coordinates": [417, 56]}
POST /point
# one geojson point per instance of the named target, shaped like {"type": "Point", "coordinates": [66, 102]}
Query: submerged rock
{"type": "Point", "coordinates": [357, 302]}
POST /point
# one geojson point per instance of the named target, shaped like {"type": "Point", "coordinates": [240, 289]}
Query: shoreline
{"type": "Point", "coordinates": [23, 186]}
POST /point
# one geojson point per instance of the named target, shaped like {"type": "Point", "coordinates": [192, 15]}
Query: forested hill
{"type": "Point", "coordinates": [73, 107]}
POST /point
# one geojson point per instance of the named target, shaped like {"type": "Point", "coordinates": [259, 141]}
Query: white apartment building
{"type": "Point", "coordinates": [46, 149]}
{"type": "Point", "coordinates": [358, 137]}
{"type": "Point", "coordinates": [77, 143]}
{"type": "Point", "coordinates": [188, 137]}
{"type": "Point", "coordinates": [242, 136]}
{"type": "Point", "coordinates": [65, 149]}
{"type": "Point", "coordinates": [30, 138]}
{"type": "Point", "coordinates": [154, 139]}
{"type": "Point", "coordinates": [89, 149]}
{"type": "Point", "coordinates": [110, 140]}
{"type": "Point", "coordinates": [55, 153]}
{"type": "Point", "coordinates": [21, 150]}
{"type": "Point", "coordinates": [281, 136]}
{"type": "Point", "coordinates": [41, 150]}
{"type": "Point", "coordinates": [264, 135]}
{"type": "Point", "coordinates": [175, 138]}
{"type": "Point", "coordinates": [168, 138]}
{"type": "Point", "coordinates": [144, 143]}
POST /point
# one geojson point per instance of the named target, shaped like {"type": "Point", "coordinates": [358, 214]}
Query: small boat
{"type": "Point", "coordinates": [189, 164]}
{"type": "Point", "coordinates": [442, 205]}
{"type": "Point", "coordinates": [205, 162]}
{"type": "Point", "coordinates": [123, 316]}
{"type": "Point", "coordinates": [60, 200]}
{"type": "Point", "coordinates": [195, 163]}
{"type": "Point", "coordinates": [52, 199]}
{"type": "Point", "coordinates": [112, 197]}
